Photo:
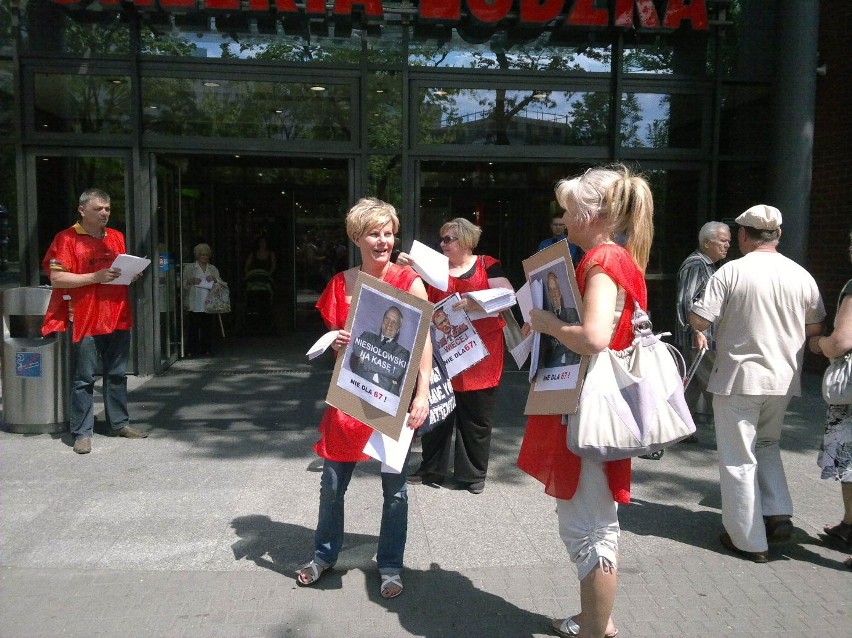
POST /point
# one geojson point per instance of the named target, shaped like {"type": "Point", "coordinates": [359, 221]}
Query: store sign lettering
{"type": "Point", "coordinates": [578, 13]}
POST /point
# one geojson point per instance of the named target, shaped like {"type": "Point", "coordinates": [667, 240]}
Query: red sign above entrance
{"type": "Point", "coordinates": [579, 13]}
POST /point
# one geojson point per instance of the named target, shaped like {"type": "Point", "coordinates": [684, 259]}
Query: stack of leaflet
{"type": "Point", "coordinates": [492, 300]}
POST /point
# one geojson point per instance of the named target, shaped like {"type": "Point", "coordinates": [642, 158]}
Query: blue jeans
{"type": "Point", "coordinates": [113, 352]}
{"type": "Point", "coordinates": [328, 538]}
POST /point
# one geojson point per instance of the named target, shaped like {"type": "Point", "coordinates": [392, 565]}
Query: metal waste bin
{"type": "Point", "coordinates": [35, 368]}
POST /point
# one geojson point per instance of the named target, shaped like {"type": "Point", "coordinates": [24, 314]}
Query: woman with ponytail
{"type": "Point", "coordinates": [600, 205]}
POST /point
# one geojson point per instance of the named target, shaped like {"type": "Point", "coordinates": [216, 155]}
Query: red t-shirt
{"type": "Point", "coordinates": [96, 309]}
{"type": "Point", "coordinates": [343, 437]}
{"type": "Point", "coordinates": [544, 452]}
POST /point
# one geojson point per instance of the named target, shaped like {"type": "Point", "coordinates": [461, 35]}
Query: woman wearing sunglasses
{"type": "Point", "coordinates": [476, 387]}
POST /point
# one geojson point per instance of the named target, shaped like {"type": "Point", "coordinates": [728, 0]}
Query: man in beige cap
{"type": "Point", "coordinates": [762, 307]}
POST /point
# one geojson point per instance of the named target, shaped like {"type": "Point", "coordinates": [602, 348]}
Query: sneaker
{"type": "Point", "coordinates": [83, 445]}
{"type": "Point", "coordinates": [129, 433]}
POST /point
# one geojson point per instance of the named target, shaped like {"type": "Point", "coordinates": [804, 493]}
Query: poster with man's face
{"type": "Point", "coordinates": [454, 338]}
{"type": "Point", "coordinates": [556, 371]}
{"type": "Point", "coordinates": [375, 375]}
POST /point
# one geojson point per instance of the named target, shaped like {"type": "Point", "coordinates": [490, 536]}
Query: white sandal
{"type": "Point", "coordinates": [317, 570]}
{"type": "Point", "coordinates": [568, 627]}
{"type": "Point", "coordinates": [389, 580]}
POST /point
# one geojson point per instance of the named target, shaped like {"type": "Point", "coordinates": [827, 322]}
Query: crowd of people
{"type": "Point", "coordinates": [751, 317]}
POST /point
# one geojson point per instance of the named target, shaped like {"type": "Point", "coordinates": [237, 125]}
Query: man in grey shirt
{"type": "Point", "coordinates": [714, 239]}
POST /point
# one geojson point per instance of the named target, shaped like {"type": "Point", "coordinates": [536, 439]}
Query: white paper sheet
{"type": "Point", "coordinates": [208, 285]}
{"type": "Point", "coordinates": [537, 296]}
{"type": "Point", "coordinates": [322, 344]}
{"type": "Point", "coordinates": [391, 453]}
{"type": "Point", "coordinates": [492, 300]}
{"type": "Point", "coordinates": [524, 298]}
{"type": "Point", "coordinates": [130, 266]}
{"type": "Point", "coordinates": [433, 266]}
{"type": "Point", "coordinates": [522, 351]}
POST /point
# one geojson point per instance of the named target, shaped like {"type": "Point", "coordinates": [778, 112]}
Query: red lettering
{"type": "Point", "coordinates": [489, 11]}
{"type": "Point", "coordinates": [538, 12]}
{"type": "Point", "coordinates": [449, 10]}
{"type": "Point", "coordinates": [371, 8]}
{"type": "Point", "coordinates": [231, 5]}
{"type": "Point", "coordinates": [315, 7]}
{"type": "Point", "coordinates": [285, 6]}
{"type": "Point", "coordinates": [647, 12]}
{"type": "Point", "coordinates": [585, 13]}
{"type": "Point", "coordinates": [678, 11]}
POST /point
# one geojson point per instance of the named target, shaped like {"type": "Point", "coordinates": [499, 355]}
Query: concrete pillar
{"type": "Point", "coordinates": [793, 124]}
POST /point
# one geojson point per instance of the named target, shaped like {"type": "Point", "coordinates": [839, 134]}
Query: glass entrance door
{"type": "Point", "coordinates": [167, 292]}
{"type": "Point", "coordinates": [511, 201]}
{"type": "Point", "coordinates": [276, 229]}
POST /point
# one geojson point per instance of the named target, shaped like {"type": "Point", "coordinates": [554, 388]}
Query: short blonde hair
{"type": "Point", "coordinates": [201, 248]}
{"type": "Point", "coordinates": [369, 213]}
{"type": "Point", "coordinates": [467, 232]}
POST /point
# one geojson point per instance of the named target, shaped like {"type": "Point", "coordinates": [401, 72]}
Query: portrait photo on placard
{"type": "Point", "coordinates": [454, 337]}
{"type": "Point", "coordinates": [377, 361]}
{"type": "Point", "coordinates": [557, 366]}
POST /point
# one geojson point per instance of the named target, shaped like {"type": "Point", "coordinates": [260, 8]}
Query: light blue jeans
{"type": "Point", "coordinates": [111, 351]}
{"type": "Point", "coordinates": [328, 538]}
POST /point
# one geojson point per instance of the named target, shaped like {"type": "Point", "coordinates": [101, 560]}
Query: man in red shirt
{"type": "Point", "coordinates": [79, 264]}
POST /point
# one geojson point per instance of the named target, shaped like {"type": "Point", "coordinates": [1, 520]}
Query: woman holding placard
{"type": "Point", "coordinates": [372, 226]}
{"type": "Point", "coordinates": [599, 205]}
{"type": "Point", "coordinates": [476, 387]}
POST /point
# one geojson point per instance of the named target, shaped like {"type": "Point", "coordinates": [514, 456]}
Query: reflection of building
{"type": "Point", "coordinates": [226, 120]}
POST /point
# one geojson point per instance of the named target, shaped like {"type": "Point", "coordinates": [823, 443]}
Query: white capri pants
{"type": "Point", "coordinates": [588, 523]}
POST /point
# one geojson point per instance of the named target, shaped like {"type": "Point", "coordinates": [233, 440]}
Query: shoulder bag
{"type": "Point", "coordinates": [218, 299]}
{"type": "Point", "coordinates": [837, 381]}
{"type": "Point", "coordinates": [632, 400]}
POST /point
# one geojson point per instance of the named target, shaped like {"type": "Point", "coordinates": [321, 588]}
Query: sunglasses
{"type": "Point", "coordinates": [446, 239]}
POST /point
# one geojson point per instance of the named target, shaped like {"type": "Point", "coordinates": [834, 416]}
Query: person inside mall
{"type": "Point", "coordinates": [99, 316]}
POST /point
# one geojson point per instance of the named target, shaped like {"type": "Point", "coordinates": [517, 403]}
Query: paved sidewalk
{"type": "Point", "coordinates": [196, 531]}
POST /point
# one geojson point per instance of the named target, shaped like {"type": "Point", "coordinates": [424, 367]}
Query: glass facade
{"type": "Point", "coordinates": [440, 119]}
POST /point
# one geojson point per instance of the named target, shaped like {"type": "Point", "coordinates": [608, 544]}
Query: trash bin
{"type": "Point", "coordinates": [35, 368]}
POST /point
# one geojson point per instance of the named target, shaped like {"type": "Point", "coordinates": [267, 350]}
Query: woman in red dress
{"type": "Point", "coordinates": [599, 206]}
{"type": "Point", "coordinates": [476, 387]}
{"type": "Point", "coordinates": [372, 225]}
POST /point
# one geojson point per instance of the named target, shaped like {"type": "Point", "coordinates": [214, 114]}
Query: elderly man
{"type": "Point", "coordinates": [763, 307]}
{"type": "Point", "coordinates": [714, 239]}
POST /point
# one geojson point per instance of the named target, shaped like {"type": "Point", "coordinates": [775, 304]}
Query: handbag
{"type": "Point", "coordinates": [631, 402]}
{"type": "Point", "coordinates": [218, 299]}
{"type": "Point", "coordinates": [836, 385]}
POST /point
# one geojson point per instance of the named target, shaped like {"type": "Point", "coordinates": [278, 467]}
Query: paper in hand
{"type": "Point", "coordinates": [521, 351]}
{"type": "Point", "coordinates": [433, 266]}
{"type": "Point", "coordinates": [524, 297]}
{"type": "Point", "coordinates": [537, 296]}
{"type": "Point", "coordinates": [322, 344]}
{"type": "Point", "coordinates": [130, 266]}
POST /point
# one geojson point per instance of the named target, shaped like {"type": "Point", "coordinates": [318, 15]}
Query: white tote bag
{"type": "Point", "coordinates": [632, 400]}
